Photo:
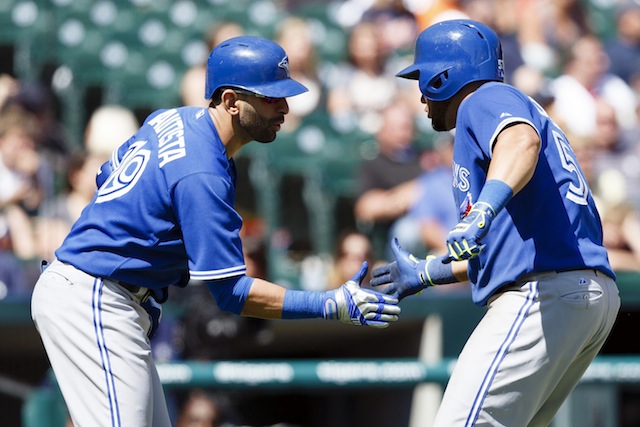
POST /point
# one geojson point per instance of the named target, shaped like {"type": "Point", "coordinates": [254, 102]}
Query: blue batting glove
{"type": "Point", "coordinates": [154, 310]}
{"type": "Point", "coordinates": [353, 305]}
{"type": "Point", "coordinates": [408, 275]}
{"type": "Point", "coordinates": [464, 240]}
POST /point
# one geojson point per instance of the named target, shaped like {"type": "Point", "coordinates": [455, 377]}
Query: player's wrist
{"type": "Point", "coordinates": [304, 304]}
{"type": "Point", "coordinates": [493, 198]}
{"type": "Point", "coordinates": [438, 271]}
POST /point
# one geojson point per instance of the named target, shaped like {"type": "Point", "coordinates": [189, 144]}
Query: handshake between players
{"type": "Point", "coordinates": [408, 275]}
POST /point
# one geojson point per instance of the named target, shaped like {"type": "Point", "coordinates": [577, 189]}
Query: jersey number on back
{"type": "Point", "coordinates": [578, 189]}
{"type": "Point", "coordinates": [125, 176]}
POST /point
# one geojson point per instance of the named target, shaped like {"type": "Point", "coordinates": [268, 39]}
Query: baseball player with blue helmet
{"type": "Point", "coordinates": [529, 238]}
{"type": "Point", "coordinates": [164, 214]}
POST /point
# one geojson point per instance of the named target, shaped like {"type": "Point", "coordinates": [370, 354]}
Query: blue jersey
{"type": "Point", "coordinates": [552, 224]}
{"type": "Point", "coordinates": [166, 212]}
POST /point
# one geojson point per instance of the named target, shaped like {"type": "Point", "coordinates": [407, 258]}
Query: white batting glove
{"type": "Point", "coordinates": [356, 306]}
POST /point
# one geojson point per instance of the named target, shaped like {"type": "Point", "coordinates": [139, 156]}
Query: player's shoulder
{"type": "Point", "coordinates": [183, 112]}
{"type": "Point", "coordinates": [495, 96]}
{"type": "Point", "coordinates": [492, 89]}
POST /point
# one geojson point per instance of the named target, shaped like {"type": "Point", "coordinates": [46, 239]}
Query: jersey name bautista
{"type": "Point", "coordinates": [170, 130]}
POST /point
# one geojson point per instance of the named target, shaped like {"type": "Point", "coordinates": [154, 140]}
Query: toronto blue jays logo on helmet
{"type": "Point", "coordinates": [501, 67]}
{"type": "Point", "coordinates": [284, 64]}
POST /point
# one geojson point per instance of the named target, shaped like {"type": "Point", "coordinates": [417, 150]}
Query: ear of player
{"type": "Point", "coordinates": [353, 305]}
{"type": "Point", "coordinates": [408, 275]}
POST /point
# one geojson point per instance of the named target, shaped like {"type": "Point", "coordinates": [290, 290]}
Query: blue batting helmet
{"type": "Point", "coordinates": [251, 63]}
{"type": "Point", "coordinates": [451, 54]}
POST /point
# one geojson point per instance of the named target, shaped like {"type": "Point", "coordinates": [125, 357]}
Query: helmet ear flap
{"type": "Point", "coordinates": [440, 80]}
{"type": "Point", "coordinates": [435, 84]}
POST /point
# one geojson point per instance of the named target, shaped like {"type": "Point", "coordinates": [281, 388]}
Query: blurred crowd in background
{"type": "Point", "coordinates": [389, 173]}
{"type": "Point", "coordinates": [583, 69]}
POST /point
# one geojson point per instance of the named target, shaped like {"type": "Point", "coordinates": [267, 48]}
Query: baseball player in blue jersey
{"type": "Point", "coordinates": [163, 214]}
{"type": "Point", "coordinates": [529, 239]}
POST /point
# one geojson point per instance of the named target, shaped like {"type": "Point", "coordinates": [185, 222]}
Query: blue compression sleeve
{"type": "Point", "coordinates": [496, 194]}
{"type": "Point", "coordinates": [231, 293]}
{"type": "Point", "coordinates": [303, 304]}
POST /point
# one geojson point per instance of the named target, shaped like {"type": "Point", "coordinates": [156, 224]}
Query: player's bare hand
{"type": "Point", "coordinates": [353, 305]}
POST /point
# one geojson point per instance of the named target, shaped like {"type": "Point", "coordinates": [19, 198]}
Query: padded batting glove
{"type": "Point", "coordinates": [353, 305]}
{"type": "Point", "coordinates": [408, 275]}
{"type": "Point", "coordinates": [465, 239]}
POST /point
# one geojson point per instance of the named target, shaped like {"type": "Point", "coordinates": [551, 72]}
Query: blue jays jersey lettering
{"type": "Point", "coordinates": [523, 238]}
{"type": "Point", "coordinates": [169, 199]}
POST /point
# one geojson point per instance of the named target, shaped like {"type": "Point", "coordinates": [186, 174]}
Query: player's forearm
{"type": "Point", "coordinates": [268, 300]}
{"type": "Point", "coordinates": [265, 300]}
{"type": "Point", "coordinates": [348, 304]}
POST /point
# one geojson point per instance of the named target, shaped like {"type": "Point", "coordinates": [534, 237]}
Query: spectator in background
{"type": "Point", "coordinates": [38, 100]}
{"type": "Point", "coordinates": [624, 48]}
{"type": "Point", "coordinates": [19, 160]}
{"type": "Point", "coordinates": [352, 249]}
{"type": "Point", "coordinates": [203, 409]}
{"type": "Point", "coordinates": [428, 13]}
{"type": "Point", "coordinates": [585, 79]}
{"type": "Point", "coordinates": [550, 28]}
{"type": "Point", "coordinates": [14, 283]}
{"type": "Point", "coordinates": [434, 213]}
{"type": "Point", "coordinates": [21, 178]}
{"type": "Point", "coordinates": [535, 84]}
{"type": "Point", "coordinates": [56, 215]}
{"type": "Point", "coordinates": [192, 82]}
{"type": "Point", "coordinates": [614, 167]}
{"type": "Point", "coordinates": [434, 210]}
{"type": "Point", "coordinates": [562, 22]}
{"type": "Point", "coordinates": [361, 87]}
{"type": "Point", "coordinates": [109, 126]}
{"type": "Point", "coordinates": [8, 88]}
{"type": "Point", "coordinates": [386, 186]}
{"type": "Point", "coordinates": [620, 219]}
{"type": "Point", "coordinates": [621, 228]}
{"type": "Point", "coordinates": [501, 15]}
{"type": "Point", "coordinates": [50, 137]}
{"type": "Point", "coordinates": [397, 26]}
{"type": "Point", "coordinates": [617, 152]}
{"type": "Point", "coordinates": [294, 35]}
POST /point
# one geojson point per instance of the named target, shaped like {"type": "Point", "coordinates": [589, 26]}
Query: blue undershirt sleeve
{"type": "Point", "coordinates": [231, 293]}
